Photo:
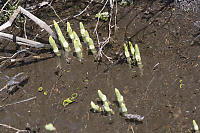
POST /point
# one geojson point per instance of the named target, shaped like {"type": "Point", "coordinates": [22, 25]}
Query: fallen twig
{"type": "Point", "coordinates": [21, 41]}
{"type": "Point", "coordinates": [14, 82]}
{"type": "Point", "coordinates": [26, 100]}
{"type": "Point", "coordinates": [11, 61]}
{"type": "Point", "coordinates": [103, 44]}
{"type": "Point", "coordinates": [17, 130]}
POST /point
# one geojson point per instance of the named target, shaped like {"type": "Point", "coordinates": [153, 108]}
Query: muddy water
{"type": "Point", "coordinates": [167, 95]}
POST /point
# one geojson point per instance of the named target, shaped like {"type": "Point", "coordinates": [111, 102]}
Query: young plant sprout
{"type": "Point", "coordinates": [105, 103]}
{"type": "Point", "coordinates": [138, 58]}
{"type": "Point", "coordinates": [92, 47]}
{"type": "Point", "coordinates": [69, 31]}
{"type": "Point", "coordinates": [82, 29]}
{"type": "Point", "coordinates": [132, 50]}
{"type": "Point", "coordinates": [103, 16]}
{"type": "Point", "coordinates": [62, 40]}
{"type": "Point", "coordinates": [196, 127]}
{"type": "Point", "coordinates": [55, 50]}
{"type": "Point", "coordinates": [137, 55]}
{"type": "Point", "coordinates": [109, 111]}
{"type": "Point", "coordinates": [54, 46]}
{"type": "Point", "coordinates": [78, 49]}
{"type": "Point", "coordinates": [120, 100]}
{"type": "Point", "coordinates": [95, 107]}
{"type": "Point", "coordinates": [84, 33]}
{"type": "Point", "coordinates": [86, 38]}
{"type": "Point", "coordinates": [127, 54]}
{"type": "Point", "coordinates": [77, 38]}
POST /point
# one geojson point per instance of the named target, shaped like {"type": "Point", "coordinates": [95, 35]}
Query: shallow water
{"type": "Point", "coordinates": [164, 36]}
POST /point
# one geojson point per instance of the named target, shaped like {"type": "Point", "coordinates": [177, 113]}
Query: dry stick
{"type": "Point", "coordinates": [15, 54]}
{"type": "Point", "coordinates": [99, 17]}
{"type": "Point", "coordinates": [101, 46]}
{"type": "Point", "coordinates": [116, 17]}
{"type": "Point", "coordinates": [55, 12]}
{"type": "Point", "coordinates": [41, 23]}
{"type": "Point", "coordinates": [22, 41]}
{"type": "Point", "coordinates": [25, 28]}
{"type": "Point", "coordinates": [62, 20]}
{"type": "Point", "coordinates": [20, 101]}
{"type": "Point", "coordinates": [83, 10]}
{"type": "Point", "coordinates": [17, 130]}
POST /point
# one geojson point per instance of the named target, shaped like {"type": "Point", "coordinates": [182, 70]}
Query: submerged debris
{"type": "Point", "coordinates": [134, 117]}
{"type": "Point", "coordinates": [14, 82]}
{"type": "Point", "coordinates": [50, 127]}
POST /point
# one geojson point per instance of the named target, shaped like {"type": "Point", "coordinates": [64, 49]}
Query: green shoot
{"type": "Point", "coordinates": [127, 54]}
{"type": "Point", "coordinates": [105, 103]}
{"type": "Point", "coordinates": [50, 127]}
{"type": "Point", "coordinates": [92, 47]}
{"type": "Point", "coordinates": [120, 100]}
{"type": "Point", "coordinates": [77, 38]}
{"type": "Point", "coordinates": [123, 109]}
{"type": "Point", "coordinates": [137, 55]}
{"type": "Point", "coordinates": [138, 58]}
{"type": "Point", "coordinates": [82, 29]}
{"type": "Point", "coordinates": [62, 40]}
{"type": "Point", "coordinates": [132, 50]}
{"type": "Point", "coordinates": [95, 107]}
{"type": "Point", "coordinates": [124, 2]}
{"type": "Point", "coordinates": [78, 49]}
{"type": "Point", "coordinates": [54, 46]}
{"type": "Point", "coordinates": [86, 38]}
{"type": "Point", "coordinates": [196, 127]}
{"type": "Point", "coordinates": [69, 31]}
{"type": "Point", "coordinates": [103, 16]}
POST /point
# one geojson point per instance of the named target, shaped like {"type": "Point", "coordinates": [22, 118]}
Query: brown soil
{"type": "Point", "coordinates": [164, 34]}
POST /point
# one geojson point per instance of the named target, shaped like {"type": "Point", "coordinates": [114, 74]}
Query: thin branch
{"type": "Point", "coordinates": [17, 130]}
{"type": "Point", "coordinates": [21, 41]}
{"type": "Point", "coordinates": [100, 13]}
{"type": "Point", "coordinates": [26, 100]}
{"type": "Point", "coordinates": [83, 10]}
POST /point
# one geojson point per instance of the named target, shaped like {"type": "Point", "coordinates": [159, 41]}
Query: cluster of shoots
{"type": "Point", "coordinates": [106, 108]}
{"type": "Point", "coordinates": [87, 40]}
{"type": "Point", "coordinates": [134, 57]}
{"type": "Point", "coordinates": [62, 40]}
{"type": "Point", "coordinates": [106, 105]}
{"type": "Point", "coordinates": [75, 40]}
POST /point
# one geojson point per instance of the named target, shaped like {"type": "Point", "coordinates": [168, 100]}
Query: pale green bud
{"type": "Point", "coordinates": [196, 127]}
{"type": "Point", "coordinates": [137, 55]}
{"type": "Point", "coordinates": [54, 46]}
{"type": "Point", "coordinates": [123, 108]}
{"type": "Point", "coordinates": [95, 107]}
{"type": "Point", "coordinates": [102, 96]}
{"type": "Point", "coordinates": [132, 49]}
{"type": "Point", "coordinates": [120, 98]}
